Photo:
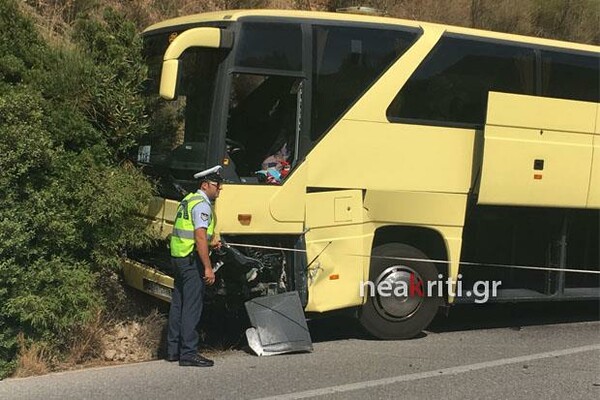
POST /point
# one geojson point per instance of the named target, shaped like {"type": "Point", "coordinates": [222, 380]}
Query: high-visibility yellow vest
{"type": "Point", "coordinates": [183, 239]}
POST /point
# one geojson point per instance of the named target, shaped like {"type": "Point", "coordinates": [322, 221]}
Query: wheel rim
{"type": "Point", "coordinates": [399, 307]}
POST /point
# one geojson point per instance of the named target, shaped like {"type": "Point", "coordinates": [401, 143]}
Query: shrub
{"type": "Point", "coordinates": [68, 118]}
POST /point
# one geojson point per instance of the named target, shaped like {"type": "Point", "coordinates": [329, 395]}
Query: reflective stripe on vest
{"type": "Point", "coordinates": [182, 238]}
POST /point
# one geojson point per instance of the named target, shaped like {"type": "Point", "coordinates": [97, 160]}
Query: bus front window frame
{"type": "Point", "coordinates": [238, 65]}
{"type": "Point", "coordinates": [184, 147]}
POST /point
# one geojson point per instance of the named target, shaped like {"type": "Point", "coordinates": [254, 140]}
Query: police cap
{"type": "Point", "coordinates": [212, 174]}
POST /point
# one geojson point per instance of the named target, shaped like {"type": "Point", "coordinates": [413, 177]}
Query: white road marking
{"type": "Point", "coordinates": [430, 374]}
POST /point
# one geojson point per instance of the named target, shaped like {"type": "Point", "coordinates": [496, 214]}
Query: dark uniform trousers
{"type": "Point", "coordinates": [186, 307]}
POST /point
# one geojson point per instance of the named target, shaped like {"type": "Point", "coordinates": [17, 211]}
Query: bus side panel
{"type": "Point", "coordinates": [341, 229]}
{"type": "Point", "coordinates": [254, 202]}
{"type": "Point", "coordinates": [537, 151]}
{"type": "Point", "coordinates": [593, 200]}
{"type": "Point", "coordinates": [336, 245]}
{"type": "Point", "coordinates": [510, 176]}
{"type": "Point", "coordinates": [416, 208]}
{"type": "Point", "coordinates": [393, 157]}
{"type": "Point", "coordinates": [441, 212]}
{"type": "Point", "coordinates": [413, 175]}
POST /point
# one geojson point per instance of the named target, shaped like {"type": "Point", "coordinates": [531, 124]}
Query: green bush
{"type": "Point", "coordinates": [68, 118]}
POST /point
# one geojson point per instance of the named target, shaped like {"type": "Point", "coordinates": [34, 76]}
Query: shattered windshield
{"type": "Point", "coordinates": [176, 146]}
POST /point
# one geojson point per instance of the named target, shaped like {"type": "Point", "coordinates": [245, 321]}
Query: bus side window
{"type": "Point", "coordinates": [452, 84]}
{"type": "Point", "coordinates": [346, 61]}
{"type": "Point", "coordinates": [570, 76]}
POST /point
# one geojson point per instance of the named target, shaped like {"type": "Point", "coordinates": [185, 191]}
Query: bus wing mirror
{"type": "Point", "coordinates": [169, 77]}
{"type": "Point", "coordinates": [214, 38]}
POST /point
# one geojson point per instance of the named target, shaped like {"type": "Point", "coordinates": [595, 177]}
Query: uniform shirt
{"type": "Point", "coordinates": [202, 212]}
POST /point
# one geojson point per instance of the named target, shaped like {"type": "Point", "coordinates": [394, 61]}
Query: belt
{"type": "Point", "coordinates": [184, 261]}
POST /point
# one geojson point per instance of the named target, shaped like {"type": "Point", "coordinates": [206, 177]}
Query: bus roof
{"type": "Point", "coordinates": [234, 15]}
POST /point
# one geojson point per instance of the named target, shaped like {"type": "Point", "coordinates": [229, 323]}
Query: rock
{"type": "Point", "coordinates": [122, 333]}
{"type": "Point", "coordinates": [121, 357]}
{"type": "Point", "coordinates": [109, 355]}
{"type": "Point", "coordinates": [135, 328]}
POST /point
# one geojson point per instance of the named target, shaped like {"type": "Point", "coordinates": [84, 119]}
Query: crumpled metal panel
{"type": "Point", "coordinates": [278, 325]}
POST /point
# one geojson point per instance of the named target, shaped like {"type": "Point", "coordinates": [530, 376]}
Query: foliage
{"type": "Point", "coordinates": [573, 20]}
{"type": "Point", "coordinates": [116, 49]}
{"type": "Point", "coordinates": [68, 118]}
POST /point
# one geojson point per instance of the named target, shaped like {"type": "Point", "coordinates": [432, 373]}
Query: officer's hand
{"type": "Point", "coordinates": [216, 244]}
{"type": "Point", "coordinates": [209, 276]}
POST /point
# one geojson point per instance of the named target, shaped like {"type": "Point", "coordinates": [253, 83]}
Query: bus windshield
{"type": "Point", "coordinates": [176, 146]}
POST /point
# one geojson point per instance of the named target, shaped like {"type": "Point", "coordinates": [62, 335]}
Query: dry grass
{"type": "Point", "coordinates": [126, 339]}
{"type": "Point", "coordinates": [87, 341]}
{"type": "Point", "coordinates": [149, 338]}
{"type": "Point", "coordinates": [33, 359]}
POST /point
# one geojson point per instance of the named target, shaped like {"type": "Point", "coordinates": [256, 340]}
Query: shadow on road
{"type": "Point", "coordinates": [338, 327]}
{"type": "Point", "coordinates": [219, 333]}
{"type": "Point", "coordinates": [469, 317]}
{"type": "Point", "coordinates": [515, 316]}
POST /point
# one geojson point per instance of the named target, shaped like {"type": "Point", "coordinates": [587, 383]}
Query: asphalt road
{"type": "Point", "coordinates": [549, 351]}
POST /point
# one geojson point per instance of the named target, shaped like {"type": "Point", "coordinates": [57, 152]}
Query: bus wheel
{"type": "Point", "coordinates": [399, 308]}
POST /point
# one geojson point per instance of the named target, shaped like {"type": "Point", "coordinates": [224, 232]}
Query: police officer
{"type": "Point", "coordinates": [192, 233]}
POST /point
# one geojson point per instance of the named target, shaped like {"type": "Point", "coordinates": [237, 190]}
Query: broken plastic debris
{"type": "Point", "coordinates": [278, 325]}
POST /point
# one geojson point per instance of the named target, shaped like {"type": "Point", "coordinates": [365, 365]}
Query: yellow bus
{"type": "Point", "coordinates": [363, 149]}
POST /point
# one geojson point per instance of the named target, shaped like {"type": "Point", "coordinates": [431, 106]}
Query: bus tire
{"type": "Point", "coordinates": [402, 317]}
